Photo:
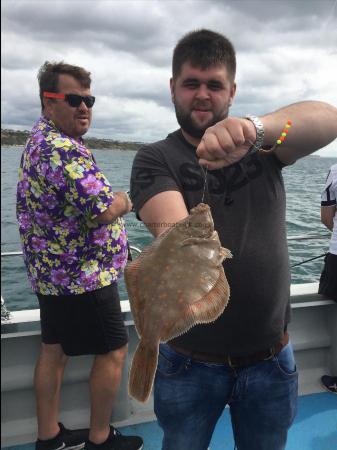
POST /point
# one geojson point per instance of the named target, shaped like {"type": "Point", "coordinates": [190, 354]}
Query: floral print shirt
{"type": "Point", "coordinates": [59, 194]}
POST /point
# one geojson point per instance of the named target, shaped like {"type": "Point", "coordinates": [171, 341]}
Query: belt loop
{"type": "Point", "coordinates": [188, 361]}
{"type": "Point", "coordinates": [232, 366]}
{"type": "Point", "coordinates": [272, 352]}
{"type": "Point", "coordinates": [229, 360]}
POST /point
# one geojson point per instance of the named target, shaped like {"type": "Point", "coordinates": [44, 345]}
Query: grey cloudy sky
{"type": "Point", "coordinates": [286, 51]}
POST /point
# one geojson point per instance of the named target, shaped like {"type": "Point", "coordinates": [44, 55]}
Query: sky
{"type": "Point", "coordinates": [286, 52]}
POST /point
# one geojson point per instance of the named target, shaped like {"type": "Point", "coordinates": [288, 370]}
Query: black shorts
{"type": "Point", "coordinates": [84, 324]}
{"type": "Point", "coordinates": [328, 281]}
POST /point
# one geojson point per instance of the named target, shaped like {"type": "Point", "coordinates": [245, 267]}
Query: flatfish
{"type": "Point", "coordinates": [177, 282]}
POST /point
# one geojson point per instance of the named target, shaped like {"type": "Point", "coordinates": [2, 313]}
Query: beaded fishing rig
{"type": "Point", "coordinates": [282, 136]}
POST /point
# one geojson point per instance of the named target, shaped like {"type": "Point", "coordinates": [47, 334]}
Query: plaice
{"type": "Point", "coordinates": [177, 282]}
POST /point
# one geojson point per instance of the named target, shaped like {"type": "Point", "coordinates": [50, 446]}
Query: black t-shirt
{"type": "Point", "coordinates": [247, 201]}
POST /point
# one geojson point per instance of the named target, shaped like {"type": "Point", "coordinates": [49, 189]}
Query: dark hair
{"type": "Point", "coordinates": [204, 48]}
{"type": "Point", "coordinates": [49, 72]}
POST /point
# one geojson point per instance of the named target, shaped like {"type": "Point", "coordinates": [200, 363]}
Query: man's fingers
{"type": "Point", "coordinates": [234, 131]}
{"type": "Point", "coordinates": [215, 145]}
{"type": "Point", "coordinates": [213, 165]}
{"type": "Point", "coordinates": [226, 160]}
{"type": "Point", "coordinates": [249, 131]}
{"type": "Point", "coordinates": [226, 142]}
{"type": "Point", "coordinates": [209, 148]}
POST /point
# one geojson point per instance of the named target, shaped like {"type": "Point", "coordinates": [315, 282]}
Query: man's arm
{"type": "Point", "coordinates": [314, 125]}
{"type": "Point", "coordinates": [162, 211]}
{"type": "Point", "coordinates": [327, 215]}
{"type": "Point", "coordinates": [121, 205]}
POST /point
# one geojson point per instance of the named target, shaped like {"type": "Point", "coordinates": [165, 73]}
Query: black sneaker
{"type": "Point", "coordinates": [116, 441]}
{"type": "Point", "coordinates": [330, 383]}
{"type": "Point", "coordinates": [64, 440]}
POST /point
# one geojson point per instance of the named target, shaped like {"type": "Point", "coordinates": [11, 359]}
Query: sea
{"type": "Point", "coordinates": [304, 182]}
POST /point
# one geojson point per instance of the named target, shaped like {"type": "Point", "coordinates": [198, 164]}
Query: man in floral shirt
{"type": "Point", "coordinates": [75, 249]}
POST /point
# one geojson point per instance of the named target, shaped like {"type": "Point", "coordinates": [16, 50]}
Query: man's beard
{"type": "Point", "coordinates": [187, 123]}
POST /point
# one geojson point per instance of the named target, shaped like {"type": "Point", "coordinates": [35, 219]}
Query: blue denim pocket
{"type": "Point", "coordinates": [169, 362]}
{"type": "Point", "coordinates": [286, 361]}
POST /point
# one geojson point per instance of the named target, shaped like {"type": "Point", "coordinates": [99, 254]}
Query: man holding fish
{"type": "Point", "coordinates": [244, 359]}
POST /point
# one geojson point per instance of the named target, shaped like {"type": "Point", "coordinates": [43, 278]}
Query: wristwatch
{"type": "Point", "coordinates": [259, 133]}
{"type": "Point", "coordinates": [127, 193]}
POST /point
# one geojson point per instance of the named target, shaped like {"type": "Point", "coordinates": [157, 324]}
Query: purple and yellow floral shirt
{"type": "Point", "coordinates": [59, 194]}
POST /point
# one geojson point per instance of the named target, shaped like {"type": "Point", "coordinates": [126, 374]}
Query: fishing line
{"type": "Point", "coordinates": [205, 183]}
{"type": "Point", "coordinates": [250, 151]}
{"type": "Point", "coordinates": [307, 260]}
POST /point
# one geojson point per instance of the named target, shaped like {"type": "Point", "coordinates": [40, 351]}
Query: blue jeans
{"type": "Point", "coordinates": [190, 396]}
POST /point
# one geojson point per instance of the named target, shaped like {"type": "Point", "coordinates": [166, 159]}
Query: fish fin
{"type": "Point", "coordinates": [212, 305]}
{"type": "Point", "coordinates": [225, 253]}
{"type": "Point", "coordinates": [205, 310]}
{"type": "Point", "coordinates": [131, 282]}
{"type": "Point", "coordinates": [142, 372]}
{"type": "Point", "coordinates": [185, 323]}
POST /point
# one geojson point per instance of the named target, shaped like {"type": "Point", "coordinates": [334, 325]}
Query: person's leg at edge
{"type": "Point", "coordinates": [104, 383]}
{"type": "Point", "coordinates": [48, 376]}
{"type": "Point", "coordinates": [264, 404]}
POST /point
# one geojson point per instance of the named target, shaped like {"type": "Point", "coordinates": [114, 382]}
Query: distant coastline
{"type": "Point", "coordinates": [15, 138]}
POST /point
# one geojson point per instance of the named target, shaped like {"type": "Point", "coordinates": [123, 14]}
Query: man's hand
{"type": "Point", "coordinates": [120, 206]}
{"type": "Point", "coordinates": [127, 201]}
{"type": "Point", "coordinates": [226, 142]}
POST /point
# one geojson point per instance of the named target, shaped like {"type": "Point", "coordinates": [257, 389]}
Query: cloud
{"type": "Point", "coordinates": [286, 52]}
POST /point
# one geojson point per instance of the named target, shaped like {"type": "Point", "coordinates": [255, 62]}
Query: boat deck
{"type": "Point", "coordinates": [313, 332]}
{"type": "Point", "coordinates": [315, 428]}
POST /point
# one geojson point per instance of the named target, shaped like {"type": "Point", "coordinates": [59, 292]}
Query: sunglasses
{"type": "Point", "coordinates": [74, 100]}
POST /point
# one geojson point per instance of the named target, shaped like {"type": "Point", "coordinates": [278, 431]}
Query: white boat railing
{"type": "Point", "coordinates": [132, 247]}
{"type": "Point", "coordinates": [307, 236]}
{"type": "Point", "coordinates": [11, 254]}
{"type": "Point", "coordinates": [137, 250]}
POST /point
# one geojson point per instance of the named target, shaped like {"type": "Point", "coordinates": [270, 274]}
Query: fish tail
{"type": "Point", "coordinates": [142, 371]}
